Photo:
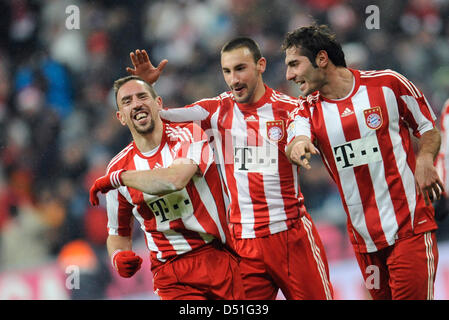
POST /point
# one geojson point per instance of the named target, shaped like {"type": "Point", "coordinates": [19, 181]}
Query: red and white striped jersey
{"type": "Point", "coordinates": [366, 146]}
{"type": "Point", "coordinates": [178, 222]}
{"type": "Point", "coordinates": [443, 156]}
{"type": "Point", "coordinates": [249, 143]}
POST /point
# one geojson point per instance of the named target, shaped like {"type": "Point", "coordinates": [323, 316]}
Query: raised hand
{"type": "Point", "coordinates": [143, 67]}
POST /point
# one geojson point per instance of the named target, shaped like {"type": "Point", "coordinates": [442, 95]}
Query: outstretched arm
{"type": "Point", "coordinates": [426, 176]}
{"type": "Point", "coordinates": [144, 68]}
{"type": "Point", "coordinates": [299, 151]}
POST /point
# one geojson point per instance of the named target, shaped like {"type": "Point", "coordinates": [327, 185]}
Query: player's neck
{"type": "Point", "coordinates": [259, 92]}
{"type": "Point", "coordinates": [340, 82]}
{"type": "Point", "coordinates": [149, 141]}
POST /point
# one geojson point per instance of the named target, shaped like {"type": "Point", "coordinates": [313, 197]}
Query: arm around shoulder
{"type": "Point", "coordinates": [161, 181]}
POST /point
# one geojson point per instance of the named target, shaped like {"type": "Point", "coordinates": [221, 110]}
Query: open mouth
{"type": "Point", "coordinates": [140, 116]}
{"type": "Point", "coordinates": [301, 85]}
{"type": "Point", "coordinates": [239, 89]}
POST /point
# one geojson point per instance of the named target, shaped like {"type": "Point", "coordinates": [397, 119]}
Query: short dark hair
{"type": "Point", "coordinates": [312, 39]}
{"type": "Point", "coordinates": [243, 42]}
{"type": "Point", "coordinates": [121, 81]}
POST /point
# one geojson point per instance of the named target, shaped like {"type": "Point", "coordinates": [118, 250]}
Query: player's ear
{"type": "Point", "coordinates": [159, 102]}
{"type": "Point", "coordinates": [322, 59]}
{"type": "Point", "coordinates": [261, 65]}
{"type": "Point", "coordinates": [120, 116]}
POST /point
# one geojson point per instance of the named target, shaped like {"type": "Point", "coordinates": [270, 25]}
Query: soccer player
{"type": "Point", "coordinates": [167, 178]}
{"type": "Point", "coordinates": [359, 121]}
{"type": "Point", "coordinates": [271, 229]}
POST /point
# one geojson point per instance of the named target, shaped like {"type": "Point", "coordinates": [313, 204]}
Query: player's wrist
{"type": "Point", "coordinates": [425, 157]}
{"type": "Point", "coordinates": [116, 178]}
{"type": "Point", "coordinates": [113, 258]}
{"type": "Point", "coordinates": [300, 142]}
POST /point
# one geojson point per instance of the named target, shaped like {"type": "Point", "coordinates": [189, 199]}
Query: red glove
{"type": "Point", "coordinates": [104, 184]}
{"type": "Point", "coordinates": [127, 263]}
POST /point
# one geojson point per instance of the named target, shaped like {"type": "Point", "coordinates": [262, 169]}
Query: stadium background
{"type": "Point", "coordinates": [58, 130]}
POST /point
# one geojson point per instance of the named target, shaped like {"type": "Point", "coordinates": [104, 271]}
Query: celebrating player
{"type": "Point", "coordinates": [360, 121]}
{"type": "Point", "coordinates": [180, 205]}
{"type": "Point", "coordinates": [272, 232]}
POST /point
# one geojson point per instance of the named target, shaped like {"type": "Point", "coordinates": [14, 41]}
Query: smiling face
{"type": "Point", "coordinates": [243, 75]}
{"type": "Point", "coordinates": [138, 109]}
{"type": "Point", "coordinates": [301, 71]}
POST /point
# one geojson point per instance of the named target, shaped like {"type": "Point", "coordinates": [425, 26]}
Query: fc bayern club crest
{"type": "Point", "coordinates": [373, 118]}
{"type": "Point", "coordinates": [275, 130]}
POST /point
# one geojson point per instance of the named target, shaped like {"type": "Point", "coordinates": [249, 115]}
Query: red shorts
{"type": "Point", "coordinates": [209, 273]}
{"type": "Point", "coordinates": [292, 260]}
{"type": "Point", "coordinates": [405, 270]}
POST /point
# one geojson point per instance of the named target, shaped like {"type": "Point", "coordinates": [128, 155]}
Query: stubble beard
{"type": "Point", "coordinates": [247, 98]}
{"type": "Point", "coordinates": [146, 129]}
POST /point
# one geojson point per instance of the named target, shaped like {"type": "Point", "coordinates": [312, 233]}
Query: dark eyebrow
{"type": "Point", "coordinates": [240, 65]}
{"type": "Point", "coordinates": [125, 98]}
{"type": "Point", "coordinates": [235, 67]}
{"type": "Point", "coordinates": [139, 94]}
{"type": "Point", "coordinates": [291, 62]}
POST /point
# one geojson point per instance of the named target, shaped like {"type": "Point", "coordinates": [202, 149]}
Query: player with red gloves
{"type": "Point", "coordinates": [126, 262]}
{"type": "Point", "coordinates": [167, 179]}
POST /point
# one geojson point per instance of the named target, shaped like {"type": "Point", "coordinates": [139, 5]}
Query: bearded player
{"type": "Point", "coordinates": [167, 179]}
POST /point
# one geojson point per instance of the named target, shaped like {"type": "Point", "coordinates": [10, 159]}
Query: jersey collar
{"type": "Point", "coordinates": [355, 88]}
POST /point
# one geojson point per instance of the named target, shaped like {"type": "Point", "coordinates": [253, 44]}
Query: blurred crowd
{"type": "Point", "coordinates": [57, 113]}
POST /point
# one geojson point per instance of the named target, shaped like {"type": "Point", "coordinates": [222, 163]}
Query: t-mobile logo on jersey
{"type": "Point", "coordinates": [160, 209]}
{"type": "Point", "coordinates": [357, 152]}
{"type": "Point", "coordinates": [170, 207]}
{"type": "Point", "coordinates": [262, 159]}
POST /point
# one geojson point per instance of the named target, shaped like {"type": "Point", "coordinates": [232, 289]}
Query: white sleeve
{"type": "Point", "coordinates": [186, 114]}
{"type": "Point", "coordinates": [119, 210]}
{"type": "Point", "coordinates": [300, 126]}
{"type": "Point", "coordinates": [112, 205]}
{"type": "Point", "coordinates": [201, 154]}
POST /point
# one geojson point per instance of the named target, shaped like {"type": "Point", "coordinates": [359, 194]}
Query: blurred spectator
{"type": "Point", "coordinates": [51, 78]}
{"type": "Point", "coordinates": [32, 218]}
